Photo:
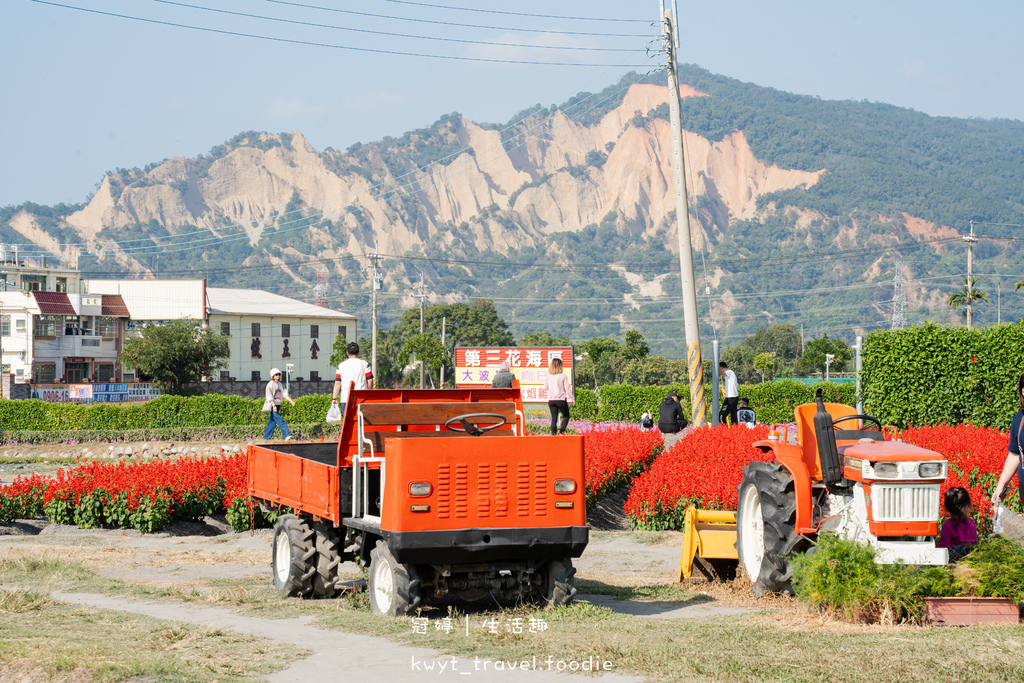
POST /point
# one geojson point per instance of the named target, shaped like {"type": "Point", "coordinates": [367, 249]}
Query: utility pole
{"type": "Point", "coordinates": [999, 302]}
{"type": "Point", "coordinates": [443, 321]}
{"type": "Point", "coordinates": [970, 272]}
{"type": "Point", "coordinates": [422, 296]}
{"type": "Point", "coordinates": [899, 301]}
{"type": "Point", "coordinates": [670, 38]}
{"type": "Point", "coordinates": [377, 281]}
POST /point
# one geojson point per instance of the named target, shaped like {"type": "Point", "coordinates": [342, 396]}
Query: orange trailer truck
{"type": "Point", "coordinates": [439, 493]}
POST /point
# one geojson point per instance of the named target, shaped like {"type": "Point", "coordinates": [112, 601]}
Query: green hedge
{"type": "Point", "coordinates": [773, 401]}
{"type": "Point", "coordinates": [165, 412]}
{"type": "Point", "coordinates": [586, 405]}
{"type": "Point", "coordinates": [934, 374]}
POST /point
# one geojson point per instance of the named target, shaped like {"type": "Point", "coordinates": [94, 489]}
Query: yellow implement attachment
{"type": "Point", "coordinates": [710, 540]}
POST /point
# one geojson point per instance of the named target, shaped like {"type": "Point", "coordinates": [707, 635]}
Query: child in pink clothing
{"type": "Point", "coordinates": [559, 395]}
{"type": "Point", "coordinates": [959, 533]}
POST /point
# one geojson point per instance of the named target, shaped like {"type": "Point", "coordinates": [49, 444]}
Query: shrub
{"type": "Point", "coordinates": [933, 374]}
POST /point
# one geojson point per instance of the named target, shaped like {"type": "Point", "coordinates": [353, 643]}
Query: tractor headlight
{"type": "Point", "coordinates": [565, 486]}
{"type": "Point", "coordinates": [886, 470]}
{"type": "Point", "coordinates": [419, 489]}
{"type": "Point", "coordinates": [930, 470]}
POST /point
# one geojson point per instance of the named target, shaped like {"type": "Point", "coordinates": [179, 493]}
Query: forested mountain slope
{"type": "Point", "coordinates": [565, 216]}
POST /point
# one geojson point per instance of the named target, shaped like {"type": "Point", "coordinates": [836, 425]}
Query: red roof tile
{"type": "Point", "coordinates": [114, 305]}
{"type": "Point", "coordinates": [54, 303]}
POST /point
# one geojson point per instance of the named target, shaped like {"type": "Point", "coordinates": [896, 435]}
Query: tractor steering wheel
{"type": "Point", "coordinates": [464, 425]}
{"type": "Point", "coordinates": [867, 418]}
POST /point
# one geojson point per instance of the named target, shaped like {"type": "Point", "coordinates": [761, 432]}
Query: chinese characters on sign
{"type": "Point", "coordinates": [476, 367]}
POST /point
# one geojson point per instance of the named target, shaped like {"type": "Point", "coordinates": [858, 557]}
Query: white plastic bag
{"type": "Point", "coordinates": [268, 406]}
{"type": "Point", "coordinates": [334, 414]}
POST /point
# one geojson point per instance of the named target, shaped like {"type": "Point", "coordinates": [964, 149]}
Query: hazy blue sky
{"type": "Point", "coordinates": [83, 93]}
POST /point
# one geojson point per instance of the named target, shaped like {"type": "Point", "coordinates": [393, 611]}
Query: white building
{"type": "Point", "coordinates": [51, 329]}
{"type": "Point", "coordinates": [266, 330]}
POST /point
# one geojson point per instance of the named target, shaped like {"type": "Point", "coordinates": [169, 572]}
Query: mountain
{"type": "Point", "coordinates": [800, 208]}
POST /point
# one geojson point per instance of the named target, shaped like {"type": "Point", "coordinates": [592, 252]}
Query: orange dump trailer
{"type": "Point", "coordinates": [438, 492]}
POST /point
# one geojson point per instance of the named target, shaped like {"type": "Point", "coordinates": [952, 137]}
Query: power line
{"type": "Point", "coordinates": [516, 14]}
{"type": "Point", "coordinates": [332, 46]}
{"type": "Point", "coordinates": [452, 23]}
{"type": "Point", "coordinates": [393, 35]}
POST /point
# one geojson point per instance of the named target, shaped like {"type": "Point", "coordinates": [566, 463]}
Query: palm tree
{"type": "Point", "coordinates": [960, 297]}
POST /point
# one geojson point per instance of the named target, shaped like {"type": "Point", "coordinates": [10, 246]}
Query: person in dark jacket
{"type": "Point", "coordinates": [503, 377]}
{"type": "Point", "coordinates": [670, 415]}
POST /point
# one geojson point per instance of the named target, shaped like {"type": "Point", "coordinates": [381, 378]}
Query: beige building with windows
{"type": "Point", "coordinates": [266, 330]}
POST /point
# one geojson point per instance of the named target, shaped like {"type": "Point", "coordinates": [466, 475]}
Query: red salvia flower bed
{"type": "Point", "coordinates": [613, 456]}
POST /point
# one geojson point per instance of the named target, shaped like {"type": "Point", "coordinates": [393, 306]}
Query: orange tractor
{"type": "Point", "coordinates": [437, 492]}
{"type": "Point", "coordinates": [844, 474]}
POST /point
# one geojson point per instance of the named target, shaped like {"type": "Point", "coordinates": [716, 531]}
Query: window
{"type": "Point", "coordinates": [19, 325]}
{"type": "Point", "coordinates": [20, 373]}
{"type": "Point", "coordinates": [255, 329]}
{"type": "Point", "coordinates": [71, 326]}
{"type": "Point", "coordinates": [314, 331]}
{"type": "Point", "coordinates": [286, 330]}
{"type": "Point", "coordinates": [104, 373]}
{"type": "Point", "coordinates": [61, 285]}
{"type": "Point", "coordinates": [314, 376]}
{"type": "Point", "coordinates": [87, 326]}
{"type": "Point", "coordinates": [224, 377]}
{"type": "Point", "coordinates": [44, 373]}
{"type": "Point", "coordinates": [256, 373]}
{"type": "Point", "coordinates": [5, 324]}
{"type": "Point", "coordinates": [46, 325]}
{"type": "Point", "coordinates": [225, 329]}
{"type": "Point", "coordinates": [107, 328]}
{"type": "Point", "coordinates": [33, 283]}
{"type": "Point", "coordinates": [90, 342]}
{"type": "Point", "coordinates": [343, 331]}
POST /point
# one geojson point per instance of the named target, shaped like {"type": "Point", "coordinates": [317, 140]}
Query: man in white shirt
{"type": "Point", "coordinates": [352, 369]}
{"type": "Point", "coordinates": [731, 391]}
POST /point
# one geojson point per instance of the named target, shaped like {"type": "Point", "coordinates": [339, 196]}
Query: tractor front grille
{"type": "Point", "coordinates": [501, 489]}
{"type": "Point", "coordinates": [896, 503]}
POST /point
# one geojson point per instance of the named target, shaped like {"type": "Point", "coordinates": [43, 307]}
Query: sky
{"type": "Point", "coordinates": [85, 93]}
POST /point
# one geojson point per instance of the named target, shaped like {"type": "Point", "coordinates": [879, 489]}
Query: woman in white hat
{"type": "Point", "coordinates": [275, 394]}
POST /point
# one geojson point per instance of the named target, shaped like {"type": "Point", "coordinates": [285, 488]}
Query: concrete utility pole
{"type": "Point", "coordinates": [422, 296]}
{"type": "Point", "coordinates": [377, 281]}
{"type": "Point", "coordinates": [670, 38]}
{"type": "Point", "coordinates": [970, 272]}
{"type": "Point", "coordinates": [443, 321]}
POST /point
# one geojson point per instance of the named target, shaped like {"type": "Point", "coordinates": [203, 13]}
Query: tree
{"type": "Point", "coordinates": [543, 339]}
{"type": "Point", "coordinates": [781, 340]}
{"type": "Point", "coordinates": [598, 354]}
{"type": "Point", "coordinates": [959, 298]}
{"type": "Point", "coordinates": [176, 353]}
{"type": "Point", "coordinates": [764, 363]}
{"type": "Point", "coordinates": [813, 358]}
{"type": "Point", "coordinates": [428, 349]}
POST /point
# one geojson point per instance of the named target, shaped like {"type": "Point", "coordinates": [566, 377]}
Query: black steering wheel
{"type": "Point", "coordinates": [867, 418]}
{"type": "Point", "coordinates": [473, 429]}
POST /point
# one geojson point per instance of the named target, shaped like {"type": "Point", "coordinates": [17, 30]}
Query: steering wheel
{"type": "Point", "coordinates": [867, 418]}
{"type": "Point", "coordinates": [473, 429]}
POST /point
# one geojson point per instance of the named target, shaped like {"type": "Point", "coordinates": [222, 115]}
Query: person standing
{"type": "Point", "coordinates": [503, 377]}
{"type": "Point", "coordinates": [1014, 459]}
{"type": "Point", "coordinates": [670, 415]}
{"type": "Point", "coordinates": [559, 395]}
{"type": "Point", "coordinates": [731, 392]}
{"type": "Point", "coordinates": [276, 394]}
{"type": "Point", "coordinates": [352, 369]}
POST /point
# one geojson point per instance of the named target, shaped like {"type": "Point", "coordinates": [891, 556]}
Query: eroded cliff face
{"type": "Point", "coordinates": [556, 176]}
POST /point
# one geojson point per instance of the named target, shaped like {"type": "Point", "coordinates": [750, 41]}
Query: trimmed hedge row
{"type": "Point", "coordinates": [935, 374]}
{"type": "Point", "coordinates": [773, 401]}
{"type": "Point", "coordinates": [165, 412]}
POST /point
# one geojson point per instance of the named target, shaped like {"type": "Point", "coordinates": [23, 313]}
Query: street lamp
{"type": "Point", "coordinates": [828, 361]}
{"type": "Point", "coordinates": [287, 376]}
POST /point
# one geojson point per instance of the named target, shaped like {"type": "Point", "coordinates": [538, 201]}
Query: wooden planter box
{"type": "Point", "coordinates": [970, 611]}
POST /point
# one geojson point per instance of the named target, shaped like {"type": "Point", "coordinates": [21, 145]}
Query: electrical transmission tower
{"type": "Point", "coordinates": [320, 290]}
{"type": "Point", "coordinates": [899, 298]}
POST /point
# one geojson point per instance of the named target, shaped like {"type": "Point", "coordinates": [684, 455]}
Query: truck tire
{"type": "Point", "coordinates": [766, 526]}
{"type": "Point", "coordinates": [328, 557]}
{"type": "Point", "coordinates": [293, 556]}
{"type": "Point", "coordinates": [558, 583]}
{"type": "Point", "coordinates": [394, 587]}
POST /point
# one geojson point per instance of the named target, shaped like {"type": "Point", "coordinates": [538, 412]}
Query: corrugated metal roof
{"type": "Point", "coordinates": [257, 302]}
{"type": "Point", "coordinates": [114, 305]}
{"type": "Point", "coordinates": [54, 303]}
